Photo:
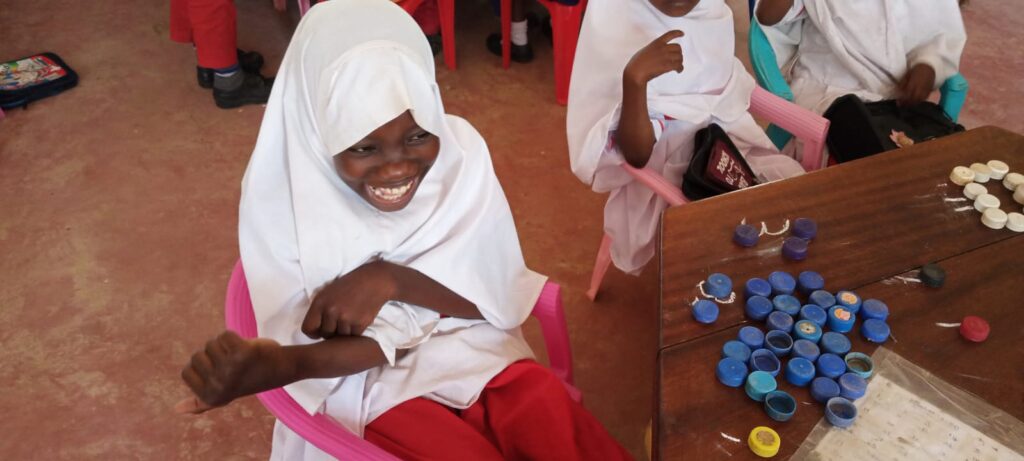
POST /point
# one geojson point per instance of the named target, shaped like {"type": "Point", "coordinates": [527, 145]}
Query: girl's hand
{"type": "Point", "coordinates": [655, 59]}
{"type": "Point", "coordinates": [348, 304]}
{"type": "Point", "coordinates": [916, 84]}
{"type": "Point", "coordinates": [230, 367]}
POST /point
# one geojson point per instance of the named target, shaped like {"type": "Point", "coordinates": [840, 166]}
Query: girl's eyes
{"type": "Point", "coordinates": [419, 137]}
{"type": "Point", "coordinates": [362, 151]}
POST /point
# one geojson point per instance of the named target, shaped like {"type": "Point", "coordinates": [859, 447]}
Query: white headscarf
{"type": "Point", "coordinates": [870, 43]}
{"type": "Point", "coordinates": [713, 81]}
{"type": "Point", "coordinates": [351, 67]}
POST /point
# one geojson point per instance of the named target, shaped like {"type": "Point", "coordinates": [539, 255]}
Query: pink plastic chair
{"type": "Point", "coordinates": [565, 30]}
{"type": "Point", "coordinates": [331, 437]}
{"type": "Point", "coordinates": [811, 128]}
{"type": "Point", "coordinates": [446, 8]}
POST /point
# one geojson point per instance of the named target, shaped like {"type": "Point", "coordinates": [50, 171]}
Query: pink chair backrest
{"type": "Point", "coordinates": [331, 437]}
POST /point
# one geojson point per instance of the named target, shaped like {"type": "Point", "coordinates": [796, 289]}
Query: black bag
{"type": "Point", "coordinates": [32, 78]}
{"type": "Point", "coordinates": [862, 129]}
{"type": "Point", "coordinates": [716, 167]}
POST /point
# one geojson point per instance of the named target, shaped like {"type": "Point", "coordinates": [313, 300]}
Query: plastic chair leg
{"type": "Point", "coordinates": [604, 259]}
{"type": "Point", "coordinates": [506, 33]}
{"type": "Point", "coordinates": [565, 26]}
{"type": "Point", "coordinates": [446, 9]}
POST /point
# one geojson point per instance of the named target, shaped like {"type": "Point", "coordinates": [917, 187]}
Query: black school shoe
{"type": "Point", "coordinates": [255, 89]}
{"type": "Point", "coordinates": [520, 53]}
{"type": "Point", "coordinates": [249, 61]}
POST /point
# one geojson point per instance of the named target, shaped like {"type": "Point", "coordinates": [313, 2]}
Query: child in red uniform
{"type": "Point", "coordinates": [383, 263]}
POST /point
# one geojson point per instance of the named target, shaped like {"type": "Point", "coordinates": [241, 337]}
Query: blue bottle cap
{"type": "Point", "coordinates": [849, 300]}
{"type": "Point", "coordinates": [809, 281]}
{"type": "Point", "coordinates": [718, 285]}
{"type": "Point", "coordinates": [822, 299]}
{"type": "Point", "coordinates": [823, 389]}
{"type": "Point", "coordinates": [806, 329]}
{"type": "Point", "coordinates": [805, 228]}
{"type": "Point", "coordinates": [752, 337]}
{"type": "Point", "coordinates": [806, 349]}
{"type": "Point", "coordinates": [859, 364]}
{"type": "Point", "coordinates": [758, 308]}
{"type": "Point", "coordinates": [840, 412]}
{"type": "Point", "coordinates": [814, 313]}
{"type": "Point", "coordinates": [794, 248]}
{"type": "Point", "coordinates": [705, 311]}
{"type": "Point", "coordinates": [745, 235]}
{"type": "Point", "coordinates": [835, 343]}
{"type": "Point", "coordinates": [757, 287]}
{"type": "Point", "coordinates": [731, 372]}
{"type": "Point", "coordinates": [874, 309]}
{"type": "Point", "coordinates": [760, 383]}
{"type": "Point", "coordinates": [874, 330]}
{"type": "Point", "coordinates": [851, 386]}
{"type": "Point", "coordinates": [782, 283]}
{"type": "Point", "coordinates": [840, 319]}
{"type": "Point", "coordinates": [779, 405]}
{"type": "Point", "coordinates": [779, 342]}
{"type": "Point", "coordinates": [766, 361]}
{"type": "Point", "coordinates": [787, 303]}
{"type": "Point", "coordinates": [737, 350]}
{"type": "Point", "coordinates": [799, 371]}
{"type": "Point", "coordinates": [830, 365]}
{"type": "Point", "coordinates": [779, 320]}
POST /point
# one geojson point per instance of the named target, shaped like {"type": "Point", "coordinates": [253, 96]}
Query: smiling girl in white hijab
{"type": "Point", "coordinates": [383, 263]}
{"type": "Point", "coordinates": [648, 75]}
{"type": "Point", "coordinates": [876, 49]}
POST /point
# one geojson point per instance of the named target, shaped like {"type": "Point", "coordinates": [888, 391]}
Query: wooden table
{"type": "Point", "coordinates": [878, 218]}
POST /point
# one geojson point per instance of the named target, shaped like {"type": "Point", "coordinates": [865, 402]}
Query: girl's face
{"type": "Point", "coordinates": [386, 167]}
{"type": "Point", "coordinates": [675, 8]}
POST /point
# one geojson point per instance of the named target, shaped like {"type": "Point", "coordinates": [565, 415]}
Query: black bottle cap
{"type": "Point", "coordinates": [932, 275]}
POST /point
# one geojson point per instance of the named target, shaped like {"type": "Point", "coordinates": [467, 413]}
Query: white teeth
{"type": "Point", "coordinates": [391, 194]}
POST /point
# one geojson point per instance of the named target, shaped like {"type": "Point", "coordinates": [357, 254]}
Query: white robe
{"type": "Point", "coordinates": [351, 67]}
{"type": "Point", "coordinates": [864, 47]}
{"type": "Point", "coordinates": [713, 87]}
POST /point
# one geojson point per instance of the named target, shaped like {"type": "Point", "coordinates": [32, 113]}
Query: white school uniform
{"type": "Point", "coordinates": [351, 67]}
{"type": "Point", "coordinates": [836, 47]}
{"type": "Point", "coordinates": [713, 88]}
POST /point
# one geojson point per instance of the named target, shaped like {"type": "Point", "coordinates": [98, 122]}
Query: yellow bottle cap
{"type": "Point", "coordinates": [764, 441]}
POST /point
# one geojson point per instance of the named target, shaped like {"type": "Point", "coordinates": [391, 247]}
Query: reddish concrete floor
{"type": "Point", "coordinates": [119, 216]}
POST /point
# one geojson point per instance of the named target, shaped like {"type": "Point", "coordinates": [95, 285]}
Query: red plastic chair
{"type": "Point", "coordinates": [802, 123]}
{"type": "Point", "coordinates": [331, 437]}
{"type": "Point", "coordinates": [446, 8]}
{"type": "Point", "coordinates": [565, 31]}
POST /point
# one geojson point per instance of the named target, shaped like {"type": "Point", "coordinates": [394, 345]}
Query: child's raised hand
{"type": "Point", "coordinates": [230, 367]}
{"type": "Point", "coordinates": [916, 84]}
{"type": "Point", "coordinates": [657, 58]}
{"type": "Point", "coordinates": [348, 304]}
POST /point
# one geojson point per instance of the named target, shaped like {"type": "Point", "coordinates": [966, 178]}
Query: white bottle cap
{"type": "Point", "coordinates": [986, 201]}
{"type": "Point", "coordinates": [1015, 222]}
{"type": "Point", "coordinates": [982, 172]}
{"type": "Point", "coordinates": [962, 175]}
{"type": "Point", "coordinates": [999, 169]}
{"type": "Point", "coordinates": [1018, 196]}
{"type": "Point", "coordinates": [1012, 181]}
{"type": "Point", "coordinates": [973, 190]}
{"type": "Point", "coordinates": [994, 218]}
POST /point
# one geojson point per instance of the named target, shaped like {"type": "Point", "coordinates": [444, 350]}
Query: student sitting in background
{"type": "Point", "coordinates": [875, 49]}
{"type": "Point", "coordinates": [648, 75]}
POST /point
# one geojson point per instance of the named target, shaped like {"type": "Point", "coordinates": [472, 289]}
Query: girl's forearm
{"type": "Point", "coordinates": [331, 358]}
{"type": "Point", "coordinates": [414, 287]}
{"type": "Point", "coordinates": [635, 136]}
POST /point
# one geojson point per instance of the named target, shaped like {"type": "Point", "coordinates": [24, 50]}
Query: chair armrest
{"type": "Point", "coordinates": [669, 192]}
{"type": "Point", "coordinates": [551, 315]}
{"type": "Point", "coordinates": [802, 123]}
{"type": "Point", "coordinates": [953, 93]}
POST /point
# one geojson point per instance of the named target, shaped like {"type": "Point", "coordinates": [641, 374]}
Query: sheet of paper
{"type": "Point", "coordinates": [894, 424]}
